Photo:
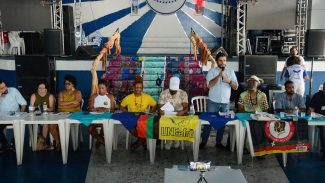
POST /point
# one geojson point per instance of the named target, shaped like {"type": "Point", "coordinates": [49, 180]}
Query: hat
{"type": "Point", "coordinates": [174, 83]}
{"type": "Point", "coordinates": [255, 78]}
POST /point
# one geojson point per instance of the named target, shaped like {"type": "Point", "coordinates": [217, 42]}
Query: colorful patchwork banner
{"type": "Point", "coordinates": [279, 137]}
{"type": "Point", "coordinates": [178, 127]}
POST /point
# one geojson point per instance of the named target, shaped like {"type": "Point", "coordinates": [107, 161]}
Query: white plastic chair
{"type": "Point", "coordinates": [16, 43]}
{"type": "Point", "coordinates": [200, 102]}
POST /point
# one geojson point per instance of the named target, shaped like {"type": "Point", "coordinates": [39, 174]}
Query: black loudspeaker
{"type": "Point", "coordinates": [316, 43]}
{"type": "Point", "coordinates": [32, 69]}
{"type": "Point", "coordinates": [69, 44]}
{"type": "Point", "coordinates": [68, 23]}
{"type": "Point", "coordinates": [53, 42]}
{"type": "Point", "coordinates": [86, 52]}
{"type": "Point", "coordinates": [263, 66]}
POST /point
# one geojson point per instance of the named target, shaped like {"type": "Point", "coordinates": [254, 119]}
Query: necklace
{"type": "Point", "coordinates": [253, 101]}
{"type": "Point", "coordinates": [138, 105]}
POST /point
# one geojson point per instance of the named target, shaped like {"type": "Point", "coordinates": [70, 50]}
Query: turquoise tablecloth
{"type": "Point", "coordinates": [87, 118]}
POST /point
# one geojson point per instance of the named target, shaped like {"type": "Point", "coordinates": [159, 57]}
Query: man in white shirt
{"type": "Point", "coordinates": [220, 81]}
{"type": "Point", "coordinates": [10, 99]}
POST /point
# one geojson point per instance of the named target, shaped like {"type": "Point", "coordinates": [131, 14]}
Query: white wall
{"type": "Point", "coordinates": [271, 14]}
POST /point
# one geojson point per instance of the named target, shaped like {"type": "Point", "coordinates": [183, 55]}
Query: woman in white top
{"type": "Point", "coordinates": [101, 102]}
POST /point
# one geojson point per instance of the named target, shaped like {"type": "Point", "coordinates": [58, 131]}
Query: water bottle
{"type": "Point", "coordinates": [45, 108]}
{"type": "Point", "coordinates": [192, 110]}
{"type": "Point", "coordinates": [296, 111]}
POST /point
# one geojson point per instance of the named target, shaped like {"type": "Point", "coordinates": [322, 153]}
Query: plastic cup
{"type": "Point", "coordinates": [31, 110]}
{"type": "Point", "coordinates": [232, 114]}
{"type": "Point", "coordinates": [282, 114]}
{"type": "Point", "coordinates": [302, 114]}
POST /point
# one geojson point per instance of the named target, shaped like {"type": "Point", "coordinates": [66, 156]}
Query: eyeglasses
{"type": "Point", "coordinates": [67, 84]}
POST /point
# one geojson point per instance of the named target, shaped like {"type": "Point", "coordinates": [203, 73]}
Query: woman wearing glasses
{"type": "Point", "coordinates": [69, 100]}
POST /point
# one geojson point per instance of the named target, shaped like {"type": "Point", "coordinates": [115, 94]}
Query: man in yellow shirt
{"type": "Point", "coordinates": [138, 102]}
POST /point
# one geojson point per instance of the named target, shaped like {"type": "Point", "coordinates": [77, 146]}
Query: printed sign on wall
{"type": "Point", "coordinates": [134, 7]}
{"type": "Point", "coordinates": [166, 6]}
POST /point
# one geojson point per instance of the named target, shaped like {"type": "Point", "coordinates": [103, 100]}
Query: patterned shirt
{"type": "Point", "coordinates": [258, 104]}
{"type": "Point", "coordinates": [176, 100]}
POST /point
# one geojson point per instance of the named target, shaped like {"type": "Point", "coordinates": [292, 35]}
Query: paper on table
{"type": "Point", "coordinates": [168, 107]}
{"type": "Point", "coordinates": [169, 113]}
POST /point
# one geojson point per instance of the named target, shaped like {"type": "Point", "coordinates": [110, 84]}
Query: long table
{"type": "Point", "coordinates": [13, 119]}
{"type": "Point", "coordinates": [61, 119]}
{"type": "Point", "coordinates": [244, 117]}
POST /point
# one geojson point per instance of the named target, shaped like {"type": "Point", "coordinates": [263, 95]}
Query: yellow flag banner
{"type": "Point", "coordinates": [178, 127]}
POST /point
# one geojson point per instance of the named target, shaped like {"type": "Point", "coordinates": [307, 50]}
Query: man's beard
{"type": "Point", "coordinates": [221, 66]}
{"type": "Point", "coordinates": [290, 93]}
{"type": "Point", "coordinates": [5, 92]}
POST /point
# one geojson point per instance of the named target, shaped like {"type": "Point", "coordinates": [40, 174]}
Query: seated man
{"type": "Point", "coordinates": [288, 101]}
{"type": "Point", "coordinates": [317, 104]}
{"type": "Point", "coordinates": [138, 102]}
{"type": "Point", "coordinates": [178, 99]}
{"type": "Point", "coordinates": [10, 99]}
{"type": "Point", "coordinates": [101, 102]}
{"type": "Point", "coordinates": [253, 100]}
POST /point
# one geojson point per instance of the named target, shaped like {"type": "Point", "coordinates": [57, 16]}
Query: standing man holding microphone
{"type": "Point", "coordinates": [220, 81]}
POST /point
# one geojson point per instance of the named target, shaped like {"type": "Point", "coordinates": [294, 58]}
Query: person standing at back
{"type": "Point", "coordinates": [293, 52]}
{"type": "Point", "coordinates": [220, 81]}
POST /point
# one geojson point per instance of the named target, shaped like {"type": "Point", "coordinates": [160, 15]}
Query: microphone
{"type": "Point", "coordinates": [222, 69]}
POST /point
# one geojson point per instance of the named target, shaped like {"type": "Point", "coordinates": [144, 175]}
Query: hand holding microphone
{"type": "Point", "coordinates": [222, 72]}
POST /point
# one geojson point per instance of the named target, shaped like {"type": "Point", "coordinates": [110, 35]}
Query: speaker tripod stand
{"type": "Point", "coordinates": [202, 178]}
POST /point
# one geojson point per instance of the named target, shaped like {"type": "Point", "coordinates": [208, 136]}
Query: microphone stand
{"type": "Point", "coordinates": [311, 78]}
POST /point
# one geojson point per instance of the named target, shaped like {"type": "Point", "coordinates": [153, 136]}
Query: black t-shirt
{"type": "Point", "coordinates": [317, 102]}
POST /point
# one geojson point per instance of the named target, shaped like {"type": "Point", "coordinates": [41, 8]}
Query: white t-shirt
{"type": "Point", "coordinates": [102, 101]}
{"type": "Point", "coordinates": [296, 74]}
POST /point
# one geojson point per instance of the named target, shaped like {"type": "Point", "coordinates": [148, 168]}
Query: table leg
{"type": "Point", "coordinates": [197, 142]}
{"type": "Point", "coordinates": [233, 136]}
{"type": "Point", "coordinates": [152, 150]}
{"type": "Point", "coordinates": [284, 159]}
{"type": "Point", "coordinates": [240, 142]}
{"type": "Point", "coordinates": [17, 141]}
{"type": "Point", "coordinates": [34, 136]}
{"type": "Point", "coordinates": [22, 137]}
{"type": "Point", "coordinates": [67, 136]}
{"type": "Point", "coordinates": [62, 139]}
{"type": "Point", "coordinates": [73, 137]}
{"type": "Point", "coordinates": [108, 127]}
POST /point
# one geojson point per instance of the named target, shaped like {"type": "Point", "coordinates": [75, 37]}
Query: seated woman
{"type": "Point", "coordinates": [101, 102]}
{"type": "Point", "coordinates": [138, 102]}
{"type": "Point", "coordinates": [42, 97]}
{"type": "Point", "coordinates": [69, 100]}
